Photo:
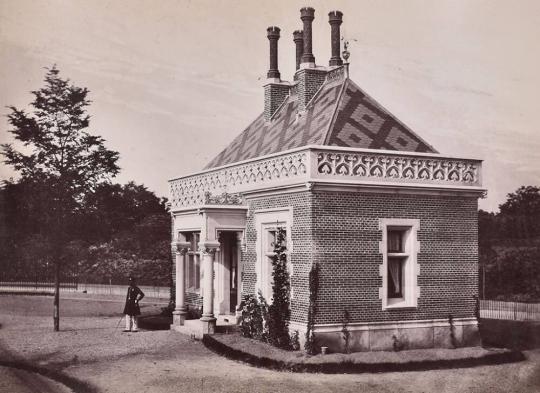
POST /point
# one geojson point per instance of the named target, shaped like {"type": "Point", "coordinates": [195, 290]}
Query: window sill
{"type": "Point", "coordinates": [398, 304]}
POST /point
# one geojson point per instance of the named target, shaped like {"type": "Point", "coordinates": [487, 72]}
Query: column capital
{"type": "Point", "coordinates": [180, 247]}
{"type": "Point", "coordinates": [208, 247]}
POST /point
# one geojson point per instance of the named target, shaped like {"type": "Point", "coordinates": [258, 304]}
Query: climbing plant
{"type": "Point", "coordinates": [309, 345]}
{"type": "Point", "coordinates": [279, 311]}
{"type": "Point", "coordinates": [345, 333]}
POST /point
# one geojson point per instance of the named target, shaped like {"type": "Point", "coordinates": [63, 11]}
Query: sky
{"type": "Point", "coordinates": [173, 82]}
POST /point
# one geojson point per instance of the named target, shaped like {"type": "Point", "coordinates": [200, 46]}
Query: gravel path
{"type": "Point", "coordinates": [90, 349]}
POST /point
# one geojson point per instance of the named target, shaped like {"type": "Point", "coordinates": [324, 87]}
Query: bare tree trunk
{"type": "Point", "coordinates": [56, 315]}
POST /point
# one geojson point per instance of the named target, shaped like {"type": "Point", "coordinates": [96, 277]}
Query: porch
{"type": "Point", "coordinates": [207, 265]}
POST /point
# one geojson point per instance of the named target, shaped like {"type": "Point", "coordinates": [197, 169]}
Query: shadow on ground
{"type": "Point", "coordinates": [155, 322]}
{"type": "Point", "coordinates": [70, 382]}
{"type": "Point", "coordinates": [520, 335]}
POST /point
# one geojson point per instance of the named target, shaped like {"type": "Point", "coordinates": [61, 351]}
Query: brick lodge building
{"type": "Point", "coordinates": [391, 223]}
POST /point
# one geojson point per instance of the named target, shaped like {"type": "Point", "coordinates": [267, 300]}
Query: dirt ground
{"type": "Point", "coordinates": [90, 349]}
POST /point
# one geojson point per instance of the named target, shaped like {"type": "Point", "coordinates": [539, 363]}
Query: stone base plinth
{"type": "Point", "coordinates": [179, 317]}
{"type": "Point", "coordinates": [196, 328]}
{"type": "Point", "coordinates": [398, 335]}
{"type": "Point", "coordinates": [208, 325]}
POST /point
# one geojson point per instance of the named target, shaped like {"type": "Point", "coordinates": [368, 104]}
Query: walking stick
{"type": "Point", "coordinates": [118, 324]}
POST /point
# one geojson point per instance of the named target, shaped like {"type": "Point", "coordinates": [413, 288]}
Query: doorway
{"type": "Point", "coordinates": [226, 274]}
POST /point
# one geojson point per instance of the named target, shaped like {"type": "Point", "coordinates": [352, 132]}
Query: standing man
{"type": "Point", "coordinates": [132, 309]}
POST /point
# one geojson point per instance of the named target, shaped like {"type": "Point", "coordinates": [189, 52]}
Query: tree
{"type": "Point", "coordinates": [60, 163]}
{"type": "Point", "coordinates": [520, 214]}
{"type": "Point", "coordinates": [509, 245]}
{"type": "Point", "coordinates": [128, 230]}
{"type": "Point", "coordinates": [115, 208]}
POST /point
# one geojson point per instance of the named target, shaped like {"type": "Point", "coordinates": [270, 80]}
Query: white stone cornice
{"type": "Point", "coordinates": [316, 165]}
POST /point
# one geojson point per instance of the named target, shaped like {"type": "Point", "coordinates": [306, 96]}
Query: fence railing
{"type": "Point", "coordinates": [37, 286]}
{"type": "Point", "coordinates": [151, 291]}
{"type": "Point", "coordinates": [516, 311]}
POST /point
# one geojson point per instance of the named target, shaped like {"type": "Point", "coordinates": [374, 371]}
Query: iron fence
{"type": "Point", "coordinates": [516, 311]}
{"type": "Point", "coordinates": [42, 286]}
{"type": "Point", "coordinates": [73, 286]}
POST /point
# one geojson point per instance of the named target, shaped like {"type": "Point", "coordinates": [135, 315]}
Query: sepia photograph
{"type": "Point", "coordinates": [269, 196]}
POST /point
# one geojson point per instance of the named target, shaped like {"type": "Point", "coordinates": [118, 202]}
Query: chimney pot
{"type": "Point", "coordinates": [298, 38]}
{"type": "Point", "coordinates": [307, 14]}
{"type": "Point", "coordinates": [335, 18]}
{"type": "Point", "coordinates": [273, 37]}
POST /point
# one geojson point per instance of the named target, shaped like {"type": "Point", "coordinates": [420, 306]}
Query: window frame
{"type": "Point", "coordinates": [408, 254]}
{"type": "Point", "coordinates": [265, 221]}
{"type": "Point", "coordinates": [191, 278]}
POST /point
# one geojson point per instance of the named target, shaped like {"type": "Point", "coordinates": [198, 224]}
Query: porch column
{"type": "Point", "coordinates": [208, 250]}
{"type": "Point", "coordinates": [180, 310]}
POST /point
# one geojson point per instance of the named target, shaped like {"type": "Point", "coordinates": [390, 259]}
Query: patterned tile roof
{"type": "Point", "coordinates": [340, 114]}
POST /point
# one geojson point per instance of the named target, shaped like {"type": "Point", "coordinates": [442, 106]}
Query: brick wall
{"type": "Point", "coordinates": [346, 245]}
{"type": "Point", "coordinates": [274, 95]}
{"type": "Point", "coordinates": [310, 81]}
{"type": "Point", "coordinates": [300, 257]}
{"type": "Point", "coordinates": [340, 231]}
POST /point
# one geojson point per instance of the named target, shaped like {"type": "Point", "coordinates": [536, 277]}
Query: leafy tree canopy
{"type": "Point", "coordinates": [61, 148]}
{"type": "Point", "coordinates": [60, 158]}
{"type": "Point", "coordinates": [526, 200]}
{"type": "Point", "coordinates": [510, 247]}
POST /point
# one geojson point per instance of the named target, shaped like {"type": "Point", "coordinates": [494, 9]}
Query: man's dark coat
{"type": "Point", "coordinates": [133, 294]}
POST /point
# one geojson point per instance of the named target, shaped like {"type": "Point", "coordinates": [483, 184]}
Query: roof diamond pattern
{"type": "Point", "coordinates": [359, 122]}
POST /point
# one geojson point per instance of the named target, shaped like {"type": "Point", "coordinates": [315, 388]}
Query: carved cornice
{"type": "Point", "coordinates": [223, 199]}
{"type": "Point", "coordinates": [193, 190]}
{"type": "Point", "coordinates": [313, 164]}
{"type": "Point", "coordinates": [398, 168]}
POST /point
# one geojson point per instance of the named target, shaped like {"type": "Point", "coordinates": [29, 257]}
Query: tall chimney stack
{"type": "Point", "coordinates": [307, 14]}
{"type": "Point", "coordinates": [275, 90]}
{"type": "Point", "coordinates": [273, 37]}
{"type": "Point", "coordinates": [298, 38]}
{"type": "Point", "coordinates": [335, 20]}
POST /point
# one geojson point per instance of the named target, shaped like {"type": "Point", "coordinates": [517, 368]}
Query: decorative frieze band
{"type": "Point", "coordinates": [398, 168]}
{"type": "Point", "coordinates": [223, 185]}
{"type": "Point", "coordinates": [308, 165]}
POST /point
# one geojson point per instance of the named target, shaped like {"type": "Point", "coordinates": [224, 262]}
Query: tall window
{"type": "Point", "coordinates": [270, 238]}
{"type": "Point", "coordinates": [399, 269]}
{"type": "Point", "coordinates": [397, 260]}
{"type": "Point", "coordinates": [266, 222]}
{"type": "Point", "coordinates": [193, 265]}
